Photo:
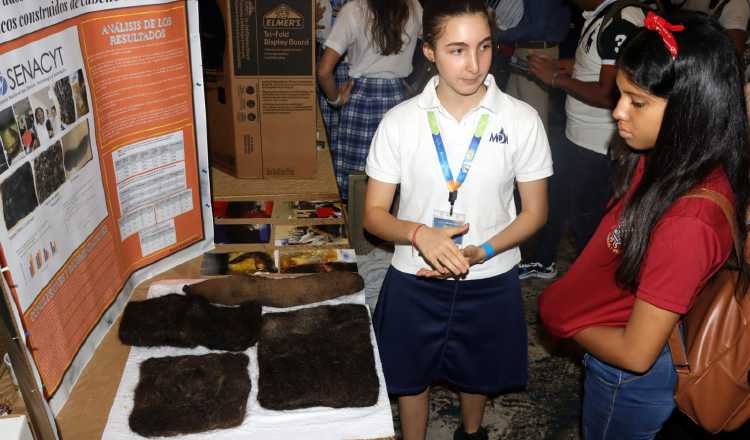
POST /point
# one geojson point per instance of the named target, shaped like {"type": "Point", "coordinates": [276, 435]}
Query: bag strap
{"type": "Point", "coordinates": [677, 349]}
{"type": "Point", "coordinates": [676, 342]}
{"type": "Point", "coordinates": [726, 207]}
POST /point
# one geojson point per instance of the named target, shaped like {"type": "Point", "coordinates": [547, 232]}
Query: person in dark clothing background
{"type": "Point", "coordinates": [542, 27]}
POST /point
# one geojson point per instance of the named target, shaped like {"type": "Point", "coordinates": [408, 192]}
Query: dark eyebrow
{"type": "Point", "coordinates": [462, 44]}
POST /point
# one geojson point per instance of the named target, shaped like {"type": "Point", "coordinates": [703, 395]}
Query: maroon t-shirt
{"type": "Point", "coordinates": [688, 245]}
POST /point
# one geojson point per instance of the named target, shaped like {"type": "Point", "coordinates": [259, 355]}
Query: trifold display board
{"type": "Point", "coordinates": [103, 166]}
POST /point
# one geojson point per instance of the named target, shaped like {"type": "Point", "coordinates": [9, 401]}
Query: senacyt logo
{"type": "Point", "coordinates": [31, 69]}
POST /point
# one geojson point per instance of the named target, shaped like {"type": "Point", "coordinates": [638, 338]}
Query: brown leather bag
{"type": "Point", "coordinates": [712, 358]}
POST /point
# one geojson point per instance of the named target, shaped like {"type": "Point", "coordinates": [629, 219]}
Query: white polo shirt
{"type": "Point", "coordinates": [588, 126]}
{"type": "Point", "coordinates": [735, 14]}
{"type": "Point", "coordinates": [514, 147]}
{"type": "Point", "coordinates": [351, 36]}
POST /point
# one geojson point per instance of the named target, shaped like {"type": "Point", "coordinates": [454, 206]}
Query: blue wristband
{"type": "Point", "coordinates": [487, 250]}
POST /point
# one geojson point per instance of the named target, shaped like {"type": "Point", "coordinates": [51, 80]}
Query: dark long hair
{"type": "Point", "coordinates": [389, 19]}
{"type": "Point", "coordinates": [704, 127]}
{"type": "Point", "coordinates": [437, 11]}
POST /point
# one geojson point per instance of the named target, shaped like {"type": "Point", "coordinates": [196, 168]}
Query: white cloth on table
{"type": "Point", "coordinates": [262, 424]}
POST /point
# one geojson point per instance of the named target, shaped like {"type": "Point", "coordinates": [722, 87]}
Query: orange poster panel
{"type": "Point", "coordinates": [66, 310]}
{"type": "Point", "coordinates": [132, 148]}
{"type": "Point", "coordinates": [139, 68]}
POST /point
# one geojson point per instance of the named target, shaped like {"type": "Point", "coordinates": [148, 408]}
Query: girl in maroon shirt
{"type": "Point", "coordinates": [682, 114]}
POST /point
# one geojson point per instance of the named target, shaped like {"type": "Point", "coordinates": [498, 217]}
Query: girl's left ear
{"type": "Point", "coordinates": [428, 52]}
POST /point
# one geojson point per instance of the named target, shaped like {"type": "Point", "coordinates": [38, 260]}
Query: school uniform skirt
{"type": "Point", "coordinates": [471, 334]}
{"type": "Point", "coordinates": [358, 119]}
{"type": "Point", "coordinates": [330, 115]}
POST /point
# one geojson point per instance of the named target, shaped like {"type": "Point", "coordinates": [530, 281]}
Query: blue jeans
{"type": "Point", "coordinates": [620, 405]}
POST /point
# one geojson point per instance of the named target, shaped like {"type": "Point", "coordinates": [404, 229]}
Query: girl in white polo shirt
{"type": "Point", "coordinates": [450, 308]}
{"type": "Point", "coordinates": [378, 38]}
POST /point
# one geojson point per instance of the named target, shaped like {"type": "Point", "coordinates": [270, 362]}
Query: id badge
{"type": "Point", "coordinates": [443, 219]}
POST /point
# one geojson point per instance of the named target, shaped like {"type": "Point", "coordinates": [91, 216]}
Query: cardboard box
{"type": "Point", "coordinates": [261, 100]}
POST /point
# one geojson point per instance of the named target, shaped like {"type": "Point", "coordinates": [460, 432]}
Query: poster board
{"type": "Point", "coordinates": [103, 166]}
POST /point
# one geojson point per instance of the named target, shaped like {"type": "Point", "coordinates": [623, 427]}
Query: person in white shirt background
{"type": "Point", "coordinates": [732, 15]}
{"type": "Point", "coordinates": [326, 12]}
{"type": "Point", "coordinates": [378, 38]}
{"type": "Point", "coordinates": [581, 187]}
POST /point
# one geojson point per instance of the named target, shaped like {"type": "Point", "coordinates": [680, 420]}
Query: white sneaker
{"type": "Point", "coordinates": [536, 269]}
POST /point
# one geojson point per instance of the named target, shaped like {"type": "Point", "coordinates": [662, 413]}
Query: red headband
{"type": "Point", "coordinates": [656, 23]}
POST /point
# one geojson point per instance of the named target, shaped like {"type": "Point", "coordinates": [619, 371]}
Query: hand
{"type": "Point", "coordinates": [431, 273]}
{"type": "Point", "coordinates": [544, 68]}
{"type": "Point", "coordinates": [474, 254]}
{"type": "Point", "coordinates": [439, 250]}
{"type": "Point", "coordinates": [565, 65]}
{"type": "Point", "coordinates": [344, 91]}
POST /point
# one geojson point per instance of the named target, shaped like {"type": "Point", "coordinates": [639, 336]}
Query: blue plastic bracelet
{"type": "Point", "coordinates": [488, 250]}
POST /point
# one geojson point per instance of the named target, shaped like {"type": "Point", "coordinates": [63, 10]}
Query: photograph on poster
{"type": "Point", "coordinates": [242, 234]}
{"type": "Point", "coordinates": [64, 96]}
{"type": "Point", "coordinates": [48, 171]}
{"type": "Point", "coordinates": [3, 162]}
{"type": "Point", "coordinates": [19, 196]}
{"type": "Point", "coordinates": [78, 88]}
{"type": "Point", "coordinates": [316, 261]}
{"type": "Point", "coordinates": [315, 235]}
{"type": "Point", "coordinates": [77, 147]}
{"type": "Point", "coordinates": [45, 113]}
{"type": "Point", "coordinates": [54, 112]}
{"type": "Point", "coordinates": [25, 121]}
{"type": "Point", "coordinates": [10, 136]}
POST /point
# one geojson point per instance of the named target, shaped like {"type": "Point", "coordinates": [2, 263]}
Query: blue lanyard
{"type": "Point", "coordinates": [453, 185]}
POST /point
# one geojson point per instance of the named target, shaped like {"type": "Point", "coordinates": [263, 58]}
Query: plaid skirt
{"type": "Point", "coordinates": [330, 115]}
{"type": "Point", "coordinates": [358, 120]}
